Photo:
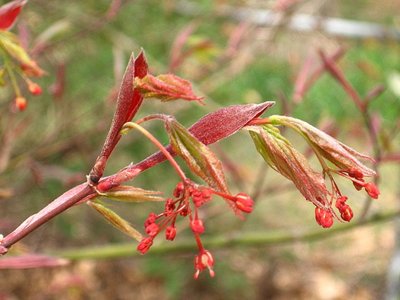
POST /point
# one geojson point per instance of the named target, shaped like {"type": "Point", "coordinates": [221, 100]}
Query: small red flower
{"type": "Point", "coordinates": [20, 103]}
{"type": "Point", "coordinates": [372, 190]}
{"type": "Point", "coordinates": [170, 233]}
{"type": "Point", "coordinates": [145, 245]}
{"type": "Point", "coordinates": [34, 88]}
{"type": "Point", "coordinates": [323, 217]}
{"type": "Point", "coordinates": [178, 191]}
{"type": "Point", "coordinates": [152, 229]}
{"type": "Point", "coordinates": [346, 213]}
{"type": "Point", "coordinates": [244, 202]}
{"type": "Point", "coordinates": [202, 261]}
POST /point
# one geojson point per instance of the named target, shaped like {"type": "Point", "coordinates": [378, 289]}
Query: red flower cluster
{"type": "Point", "coordinates": [188, 197]}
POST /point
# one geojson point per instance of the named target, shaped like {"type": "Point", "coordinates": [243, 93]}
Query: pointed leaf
{"type": "Point", "coordinates": [200, 159]}
{"type": "Point", "coordinates": [132, 194]}
{"type": "Point", "coordinates": [9, 13]}
{"type": "Point", "coordinates": [128, 103]}
{"type": "Point", "coordinates": [115, 220]}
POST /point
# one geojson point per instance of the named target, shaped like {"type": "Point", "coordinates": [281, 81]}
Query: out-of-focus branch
{"type": "Point", "coordinates": [263, 239]}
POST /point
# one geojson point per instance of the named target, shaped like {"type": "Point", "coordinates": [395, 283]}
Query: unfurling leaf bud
{"type": "Point", "coordinates": [166, 87]}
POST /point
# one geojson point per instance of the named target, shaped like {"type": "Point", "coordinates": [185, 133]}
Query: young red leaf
{"type": "Point", "coordinates": [29, 261]}
{"type": "Point", "coordinates": [128, 103]}
{"type": "Point", "coordinates": [200, 159]}
{"type": "Point", "coordinates": [9, 13]}
{"type": "Point", "coordinates": [115, 220]}
{"type": "Point", "coordinates": [209, 129]}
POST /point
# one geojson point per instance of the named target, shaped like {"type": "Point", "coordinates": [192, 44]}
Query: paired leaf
{"type": "Point", "coordinates": [126, 193]}
{"type": "Point", "coordinates": [166, 87]}
{"type": "Point", "coordinates": [286, 160]}
{"type": "Point", "coordinates": [9, 13]}
{"type": "Point", "coordinates": [323, 144]}
{"type": "Point", "coordinates": [114, 219]}
{"type": "Point", "coordinates": [200, 159]}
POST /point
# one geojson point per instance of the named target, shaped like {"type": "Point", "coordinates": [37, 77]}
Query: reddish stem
{"type": "Point", "coordinates": [56, 207]}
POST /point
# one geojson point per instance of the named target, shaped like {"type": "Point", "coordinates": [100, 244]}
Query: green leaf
{"type": "Point", "coordinates": [132, 194]}
{"type": "Point", "coordinates": [199, 158]}
{"type": "Point", "coordinates": [114, 219]}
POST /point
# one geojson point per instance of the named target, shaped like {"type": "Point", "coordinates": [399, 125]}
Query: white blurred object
{"type": "Point", "coordinates": [298, 22]}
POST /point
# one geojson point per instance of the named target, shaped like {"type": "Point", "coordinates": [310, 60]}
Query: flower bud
{"type": "Point", "coordinates": [145, 245]}
{"type": "Point", "coordinates": [170, 233]}
{"type": "Point", "coordinates": [152, 229]}
{"type": "Point", "coordinates": [20, 103]}
{"type": "Point", "coordinates": [34, 88]}
{"type": "Point", "coordinates": [323, 217]}
{"type": "Point", "coordinates": [197, 226]}
{"type": "Point", "coordinates": [150, 219]}
{"type": "Point", "coordinates": [372, 190]}
{"type": "Point", "coordinates": [244, 202]}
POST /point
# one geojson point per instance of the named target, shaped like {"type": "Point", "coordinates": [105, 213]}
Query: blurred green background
{"type": "Point", "coordinates": [84, 47]}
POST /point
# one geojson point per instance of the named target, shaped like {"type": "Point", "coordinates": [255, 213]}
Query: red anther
{"type": "Point", "coordinates": [170, 233]}
{"type": "Point", "coordinates": [20, 103]}
{"type": "Point", "coordinates": [346, 213]}
{"type": "Point", "coordinates": [152, 229]}
{"type": "Point", "coordinates": [372, 190]}
{"type": "Point", "coordinates": [34, 88]}
{"type": "Point", "coordinates": [145, 245]}
{"type": "Point", "coordinates": [179, 188]}
{"type": "Point", "coordinates": [244, 202]}
{"type": "Point", "coordinates": [202, 261]}
{"type": "Point", "coordinates": [323, 217]}
{"type": "Point", "coordinates": [150, 219]}
{"type": "Point", "coordinates": [197, 226]}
